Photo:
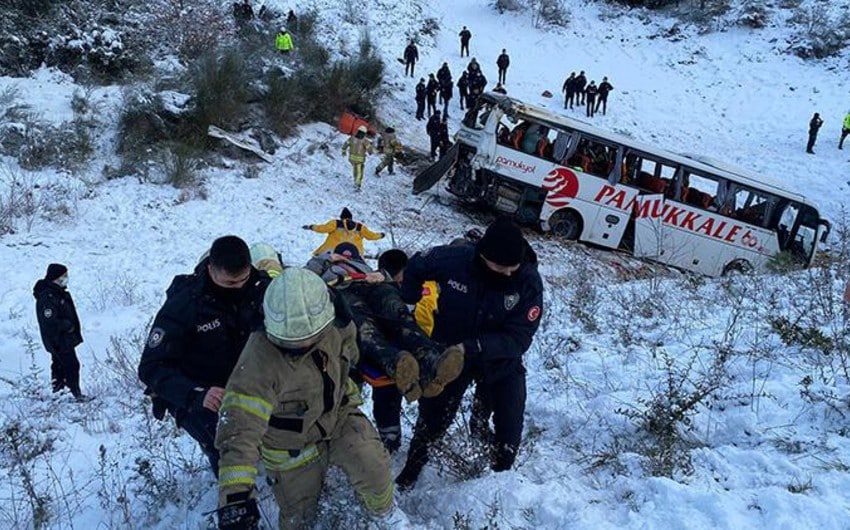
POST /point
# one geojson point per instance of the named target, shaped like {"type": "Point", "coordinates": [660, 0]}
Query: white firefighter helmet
{"type": "Point", "coordinates": [297, 307]}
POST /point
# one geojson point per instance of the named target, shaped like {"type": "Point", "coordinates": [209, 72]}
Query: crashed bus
{"type": "Point", "coordinates": [582, 183]}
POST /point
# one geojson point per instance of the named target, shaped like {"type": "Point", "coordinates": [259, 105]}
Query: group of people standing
{"type": "Point", "coordinates": [253, 359]}
{"type": "Point", "coordinates": [577, 91]}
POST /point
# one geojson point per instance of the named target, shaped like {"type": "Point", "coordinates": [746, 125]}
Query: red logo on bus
{"type": "Point", "coordinates": [562, 185]}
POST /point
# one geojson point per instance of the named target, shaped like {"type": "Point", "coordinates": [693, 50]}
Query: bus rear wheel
{"type": "Point", "coordinates": [737, 267]}
{"type": "Point", "coordinates": [566, 224]}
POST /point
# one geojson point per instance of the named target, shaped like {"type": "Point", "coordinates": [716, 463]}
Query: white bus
{"type": "Point", "coordinates": [583, 183]}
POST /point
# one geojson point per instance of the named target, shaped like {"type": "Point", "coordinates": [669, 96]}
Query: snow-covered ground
{"type": "Point", "coordinates": [769, 447]}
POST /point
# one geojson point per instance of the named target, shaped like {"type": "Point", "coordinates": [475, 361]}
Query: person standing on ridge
{"type": "Point", "coordinates": [421, 95]}
{"type": "Point", "coordinates": [463, 88]}
{"type": "Point", "coordinates": [580, 83]}
{"type": "Point", "coordinates": [465, 35]}
{"type": "Point", "coordinates": [502, 63]}
{"type": "Point", "coordinates": [604, 88]}
{"type": "Point", "coordinates": [590, 92]}
{"type": "Point", "coordinates": [411, 55]}
{"type": "Point", "coordinates": [569, 90]}
{"type": "Point", "coordinates": [432, 90]}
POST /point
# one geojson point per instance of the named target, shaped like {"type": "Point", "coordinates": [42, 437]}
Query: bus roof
{"type": "Point", "coordinates": [697, 162]}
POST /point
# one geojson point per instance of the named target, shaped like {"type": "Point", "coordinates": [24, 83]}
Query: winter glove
{"type": "Point", "coordinates": [195, 401]}
{"type": "Point", "coordinates": [382, 234]}
{"type": "Point", "coordinates": [307, 227]}
{"type": "Point", "coordinates": [239, 515]}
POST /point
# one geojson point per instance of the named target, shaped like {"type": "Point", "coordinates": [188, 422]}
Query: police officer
{"type": "Point", "coordinates": [197, 336]}
{"type": "Point", "coordinates": [569, 90]}
{"type": "Point", "coordinates": [502, 63]}
{"type": "Point", "coordinates": [465, 35]}
{"type": "Point", "coordinates": [463, 88]}
{"type": "Point", "coordinates": [432, 89]}
{"type": "Point", "coordinates": [578, 85]}
{"type": "Point", "coordinates": [604, 89]}
{"type": "Point", "coordinates": [590, 94]}
{"type": "Point", "coordinates": [433, 130]}
{"type": "Point", "coordinates": [411, 55]}
{"type": "Point", "coordinates": [490, 300]}
{"type": "Point", "coordinates": [60, 328]}
{"type": "Point", "coordinates": [291, 404]}
{"type": "Point", "coordinates": [814, 126]}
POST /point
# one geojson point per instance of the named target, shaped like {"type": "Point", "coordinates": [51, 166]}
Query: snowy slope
{"type": "Point", "coordinates": [767, 452]}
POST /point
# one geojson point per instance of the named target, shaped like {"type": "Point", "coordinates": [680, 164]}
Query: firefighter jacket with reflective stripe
{"type": "Point", "coordinates": [278, 406]}
{"type": "Point", "coordinates": [344, 231]}
{"type": "Point", "coordinates": [357, 149]}
{"type": "Point", "coordinates": [390, 144]}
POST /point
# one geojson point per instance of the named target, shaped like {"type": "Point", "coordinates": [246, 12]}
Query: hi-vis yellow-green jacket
{"type": "Point", "coordinates": [276, 407]}
{"type": "Point", "coordinates": [847, 121]}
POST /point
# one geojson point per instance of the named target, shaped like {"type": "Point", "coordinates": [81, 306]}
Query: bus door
{"type": "Point", "coordinates": [649, 226]}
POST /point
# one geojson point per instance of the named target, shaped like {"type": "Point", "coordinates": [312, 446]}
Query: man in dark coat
{"type": "Point", "coordinates": [814, 126]}
{"type": "Point", "coordinates": [604, 88]}
{"type": "Point", "coordinates": [197, 337]}
{"type": "Point", "coordinates": [432, 90]}
{"type": "Point", "coordinates": [411, 55]}
{"type": "Point", "coordinates": [503, 62]}
{"type": "Point", "coordinates": [433, 130]}
{"type": "Point", "coordinates": [421, 94]}
{"type": "Point", "coordinates": [60, 328]}
{"type": "Point", "coordinates": [443, 140]}
{"type": "Point", "coordinates": [591, 92]}
{"type": "Point", "coordinates": [464, 35]}
{"type": "Point", "coordinates": [463, 88]}
{"type": "Point", "coordinates": [477, 83]}
{"type": "Point", "coordinates": [569, 90]}
{"type": "Point", "coordinates": [446, 90]}
{"type": "Point", "coordinates": [491, 301]}
{"type": "Point", "coordinates": [581, 81]}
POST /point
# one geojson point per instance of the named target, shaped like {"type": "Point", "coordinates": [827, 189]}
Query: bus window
{"type": "Point", "coordinates": [701, 191]}
{"type": "Point", "coordinates": [651, 174]}
{"type": "Point", "coordinates": [749, 206]}
{"type": "Point", "coordinates": [561, 146]}
{"type": "Point", "coordinates": [594, 157]}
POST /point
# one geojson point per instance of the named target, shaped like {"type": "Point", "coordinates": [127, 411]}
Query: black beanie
{"type": "Point", "coordinates": [55, 270]}
{"type": "Point", "coordinates": [345, 214]}
{"type": "Point", "coordinates": [503, 243]}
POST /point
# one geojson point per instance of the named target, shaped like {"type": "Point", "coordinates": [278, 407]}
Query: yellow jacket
{"type": "Point", "coordinates": [357, 149]}
{"type": "Point", "coordinates": [426, 307]}
{"type": "Point", "coordinates": [344, 231]}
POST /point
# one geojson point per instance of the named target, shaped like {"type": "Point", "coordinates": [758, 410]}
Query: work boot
{"type": "Point", "coordinates": [444, 369]}
{"type": "Point", "coordinates": [406, 376]}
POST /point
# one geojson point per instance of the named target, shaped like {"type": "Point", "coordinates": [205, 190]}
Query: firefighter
{"type": "Point", "coordinates": [389, 145]}
{"type": "Point", "coordinates": [411, 55]}
{"type": "Point", "coordinates": [292, 404]}
{"type": "Point", "coordinates": [491, 298]}
{"type": "Point", "coordinates": [421, 94]}
{"type": "Point", "coordinates": [465, 36]}
{"type": "Point", "coordinates": [344, 229]}
{"type": "Point", "coordinates": [463, 88]}
{"type": "Point", "coordinates": [502, 63]}
{"type": "Point", "coordinates": [59, 327]}
{"type": "Point", "coordinates": [197, 336]}
{"type": "Point", "coordinates": [432, 89]}
{"type": "Point", "coordinates": [357, 147]}
{"type": "Point", "coordinates": [265, 258]}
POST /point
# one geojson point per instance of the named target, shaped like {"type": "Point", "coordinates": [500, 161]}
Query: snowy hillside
{"type": "Point", "coordinates": [656, 400]}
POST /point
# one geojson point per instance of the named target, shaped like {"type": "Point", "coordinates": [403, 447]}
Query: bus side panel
{"type": "Point", "coordinates": [698, 240]}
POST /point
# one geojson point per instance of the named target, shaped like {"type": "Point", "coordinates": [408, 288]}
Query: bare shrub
{"type": "Point", "coordinates": [507, 5]}
{"type": "Point", "coordinates": [822, 32]}
{"type": "Point", "coordinates": [549, 13]}
{"type": "Point", "coordinates": [219, 82]}
{"type": "Point", "coordinates": [192, 28]}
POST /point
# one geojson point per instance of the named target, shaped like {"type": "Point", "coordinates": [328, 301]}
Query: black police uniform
{"type": "Point", "coordinates": [495, 317]}
{"type": "Point", "coordinates": [194, 344]}
{"type": "Point", "coordinates": [60, 332]}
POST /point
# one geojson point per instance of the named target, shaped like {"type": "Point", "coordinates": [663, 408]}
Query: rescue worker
{"type": "Point", "coordinates": [389, 145]}
{"type": "Point", "coordinates": [845, 130]}
{"type": "Point", "coordinates": [433, 130]}
{"type": "Point", "coordinates": [590, 93]}
{"type": "Point", "coordinates": [580, 82]}
{"type": "Point", "coordinates": [814, 126]}
{"type": "Point", "coordinates": [357, 147]}
{"type": "Point", "coordinates": [283, 41]}
{"type": "Point", "coordinates": [463, 88]}
{"type": "Point", "coordinates": [411, 55]}
{"type": "Point", "coordinates": [569, 89]}
{"type": "Point", "coordinates": [342, 230]}
{"type": "Point", "coordinates": [465, 35]}
{"type": "Point", "coordinates": [421, 94]}
{"type": "Point", "coordinates": [491, 298]}
{"type": "Point", "coordinates": [291, 403]}
{"type": "Point", "coordinates": [197, 336]}
{"type": "Point", "coordinates": [604, 89]}
{"type": "Point", "coordinates": [59, 327]}
{"type": "Point", "coordinates": [431, 91]}
{"type": "Point", "coordinates": [265, 258]}
{"type": "Point", "coordinates": [502, 63]}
